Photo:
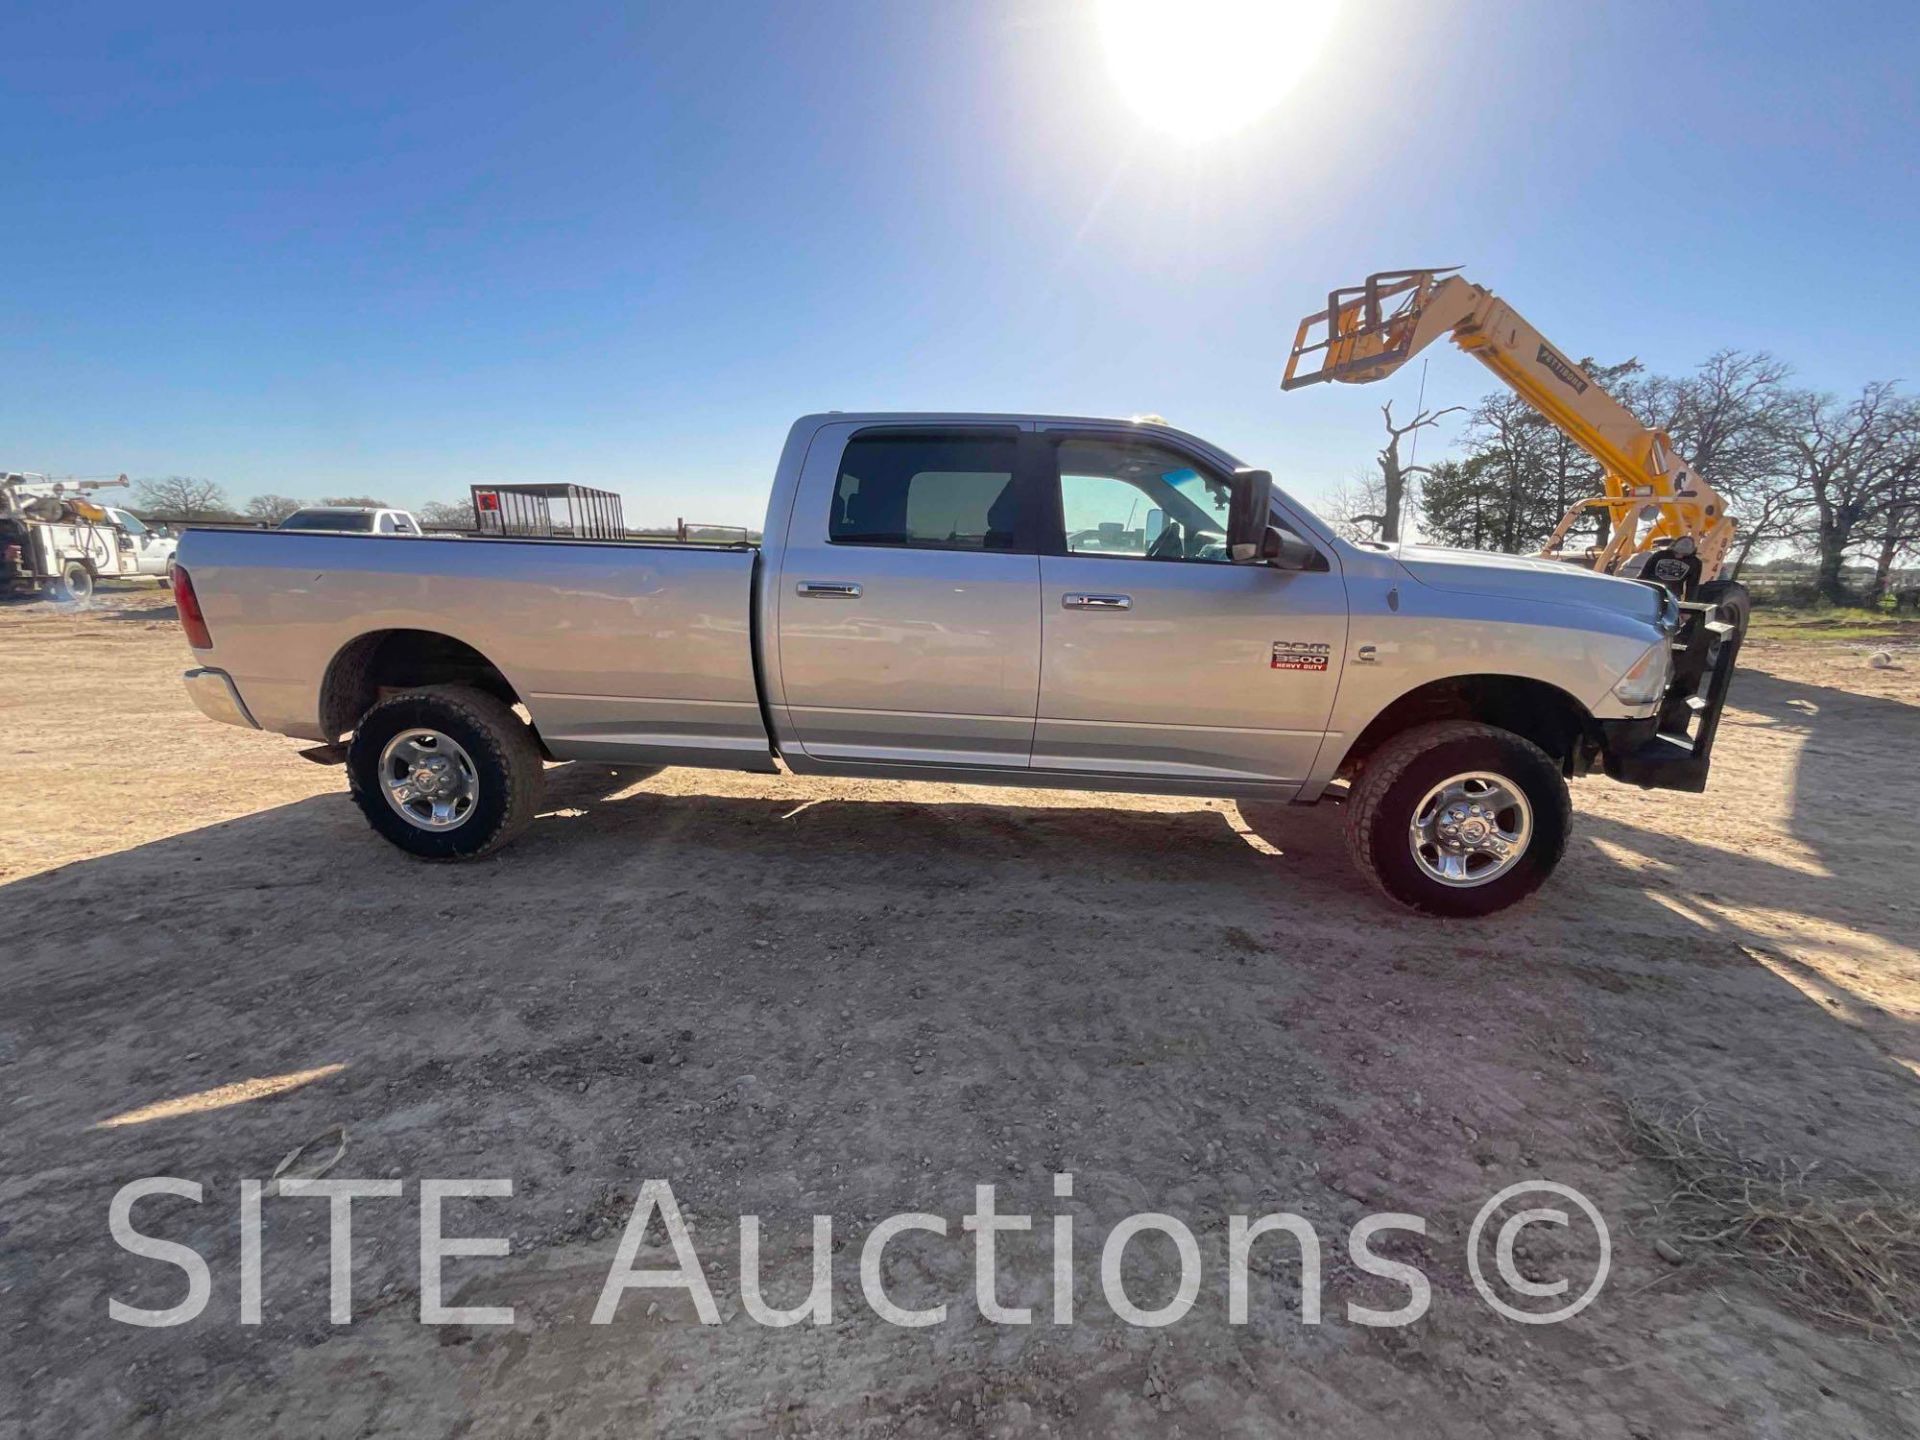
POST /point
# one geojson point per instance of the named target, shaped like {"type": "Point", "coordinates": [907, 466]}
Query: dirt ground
{"type": "Point", "coordinates": [792, 997]}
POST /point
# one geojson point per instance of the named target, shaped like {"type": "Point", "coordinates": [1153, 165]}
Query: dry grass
{"type": "Point", "coordinates": [1847, 1252]}
{"type": "Point", "coordinates": [1832, 623]}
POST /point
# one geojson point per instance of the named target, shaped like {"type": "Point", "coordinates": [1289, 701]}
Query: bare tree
{"type": "Point", "coordinates": [1357, 508]}
{"type": "Point", "coordinates": [1719, 416]}
{"type": "Point", "coordinates": [1394, 475]}
{"type": "Point", "coordinates": [181, 497]}
{"type": "Point", "coordinates": [1896, 536]}
{"type": "Point", "coordinates": [271, 509]}
{"type": "Point", "coordinates": [365, 501]}
{"type": "Point", "coordinates": [1725, 419]}
{"type": "Point", "coordinates": [1766, 508]}
{"type": "Point", "coordinates": [1853, 460]}
{"type": "Point", "coordinates": [445, 515]}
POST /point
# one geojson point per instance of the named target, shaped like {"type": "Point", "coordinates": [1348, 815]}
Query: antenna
{"type": "Point", "coordinates": [1419, 404]}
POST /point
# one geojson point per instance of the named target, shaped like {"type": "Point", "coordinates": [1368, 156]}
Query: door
{"type": "Point", "coordinates": [151, 553]}
{"type": "Point", "coordinates": [909, 598]}
{"type": "Point", "coordinates": [1160, 657]}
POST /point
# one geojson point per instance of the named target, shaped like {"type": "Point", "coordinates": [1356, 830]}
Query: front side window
{"type": "Point", "coordinates": [129, 523]}
{"type": "Point", "coordinates": [1140, 502]}
{"type": "Point", "coordinates": [935, 492]}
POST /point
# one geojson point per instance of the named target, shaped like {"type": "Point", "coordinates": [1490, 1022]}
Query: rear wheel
{"type": "Point", "coordinates": [1733, 601]}
{"type": "Point", "coordinates": [75, 585]}
{"type": "Point", "coordinates": [1458, 818]}
{"type": "Point", "coordinates": [446, 773]}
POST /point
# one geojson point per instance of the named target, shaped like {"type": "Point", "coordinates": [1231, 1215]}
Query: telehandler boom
{"type": "Point", "coordinates": [1665, 522]}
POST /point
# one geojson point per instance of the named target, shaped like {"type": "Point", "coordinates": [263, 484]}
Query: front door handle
{"type": "Point", "coordinates": [1096, 602]}
{"type": "Point", "coordinates": [829, 589]}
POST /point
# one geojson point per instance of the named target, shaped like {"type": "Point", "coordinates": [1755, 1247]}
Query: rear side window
{"type": "Point", "coordinates": [933, 492]}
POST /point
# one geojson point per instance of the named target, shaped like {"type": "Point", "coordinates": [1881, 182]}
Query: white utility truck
{"type": "Point", "coordinates": [56, 539]}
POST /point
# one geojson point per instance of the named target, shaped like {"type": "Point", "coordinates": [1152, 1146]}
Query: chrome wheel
{"type": "Point", "coordinates": [1470, 829]}
{"type": "Point", "coordinates": [428, 780]}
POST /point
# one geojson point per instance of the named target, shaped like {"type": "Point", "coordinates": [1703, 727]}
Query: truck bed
{"type": "Point", "coordinates": [611, 645]}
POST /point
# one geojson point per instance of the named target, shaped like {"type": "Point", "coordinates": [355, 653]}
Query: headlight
{"type": "Point", "coordinates": [1646, 680]}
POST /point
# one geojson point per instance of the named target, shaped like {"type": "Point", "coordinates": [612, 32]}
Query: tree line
{"type": "Point", "coordinates": [189, 498]}
{"type": "Point", "coordinates": [1833, 478]}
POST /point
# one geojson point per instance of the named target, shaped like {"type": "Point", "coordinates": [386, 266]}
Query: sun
{"type": "Point", "coordinates": [1202, 69]}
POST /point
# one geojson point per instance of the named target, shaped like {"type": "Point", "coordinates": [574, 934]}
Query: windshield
{"type": "Point", "coordinates": [129, 523]}
{"type": "Point", "coordinates": [328, 520]}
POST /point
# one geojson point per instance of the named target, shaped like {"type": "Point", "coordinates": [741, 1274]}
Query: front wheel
{"type": "Point", "coordinates": [445, 773]}
{"type": "Point", "coordinates": [1458, 818]}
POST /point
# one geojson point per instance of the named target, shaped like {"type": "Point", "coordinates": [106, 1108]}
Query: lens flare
{"type": "Point", "coordinates": [1200, 70]}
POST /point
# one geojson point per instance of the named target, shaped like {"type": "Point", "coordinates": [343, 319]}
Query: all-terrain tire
{"type": "Point", "coordinates": [506, 763]}
{"type": "Point", "coordinates": [1400, 774]}
{"type": "Point", "coordinates": [1734, 601]}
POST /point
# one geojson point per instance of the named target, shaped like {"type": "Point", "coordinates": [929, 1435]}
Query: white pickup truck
{"type": "Point", "coordinates": [1005, 599]}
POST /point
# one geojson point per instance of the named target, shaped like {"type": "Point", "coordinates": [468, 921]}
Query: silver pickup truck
{"type": "Point", "coordinates": [1005, 599]}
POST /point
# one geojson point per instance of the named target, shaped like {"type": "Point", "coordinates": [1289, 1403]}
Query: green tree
{"type": "Point", "coordinates": [1465, 503]}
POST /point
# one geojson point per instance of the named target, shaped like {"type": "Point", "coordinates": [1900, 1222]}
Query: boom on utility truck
{"type": "Point", "coordinates": [1665, 522]}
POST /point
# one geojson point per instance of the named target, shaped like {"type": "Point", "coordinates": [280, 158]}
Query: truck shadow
{"type": "Point", "coordinates": [863, 999]}
{"type": "Point", "coordinates": [615, 862]}
{"type": "Point", "coordinates": [1853, 793]}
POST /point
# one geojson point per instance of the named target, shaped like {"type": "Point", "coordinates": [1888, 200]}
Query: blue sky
{"type": "Point", "coordinates": [401, 248]}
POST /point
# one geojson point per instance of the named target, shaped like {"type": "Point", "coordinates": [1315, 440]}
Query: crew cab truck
{"type": "Point", "coordinates": [1003, 599]}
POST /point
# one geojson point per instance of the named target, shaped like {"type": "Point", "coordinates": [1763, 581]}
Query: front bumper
{"type": "Point", "coordinates": [1673, 748]}
{"type": "Point", "coordinates": [214, 692]}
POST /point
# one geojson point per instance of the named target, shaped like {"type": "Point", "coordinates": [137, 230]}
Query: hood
{"type": "Point", "coordinates": [1524, 577]}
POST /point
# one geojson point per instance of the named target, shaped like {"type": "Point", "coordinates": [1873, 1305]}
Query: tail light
{"type": "Point", "coordinates": [188, 605]}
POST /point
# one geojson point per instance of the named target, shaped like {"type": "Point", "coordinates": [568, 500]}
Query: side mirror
{"type": "Point", "coordinates": [1248, 516]}
{"type": "Point", "coordinates": [1285, 550]}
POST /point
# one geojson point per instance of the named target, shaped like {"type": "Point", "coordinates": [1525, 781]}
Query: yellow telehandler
{"type": "Point", "coordinates": [1665, 522]}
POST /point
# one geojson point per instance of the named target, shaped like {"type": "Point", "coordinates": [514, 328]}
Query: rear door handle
{"type": "Point", "coordinates": [829, 589]}
{"type": "Point", "coordinates": [1096, 602]}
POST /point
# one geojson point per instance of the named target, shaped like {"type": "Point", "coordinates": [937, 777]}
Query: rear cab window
{"type": "Point", "coordinates": [932, 491]}
{"type": "Point", "coordinates": [328, 520]}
